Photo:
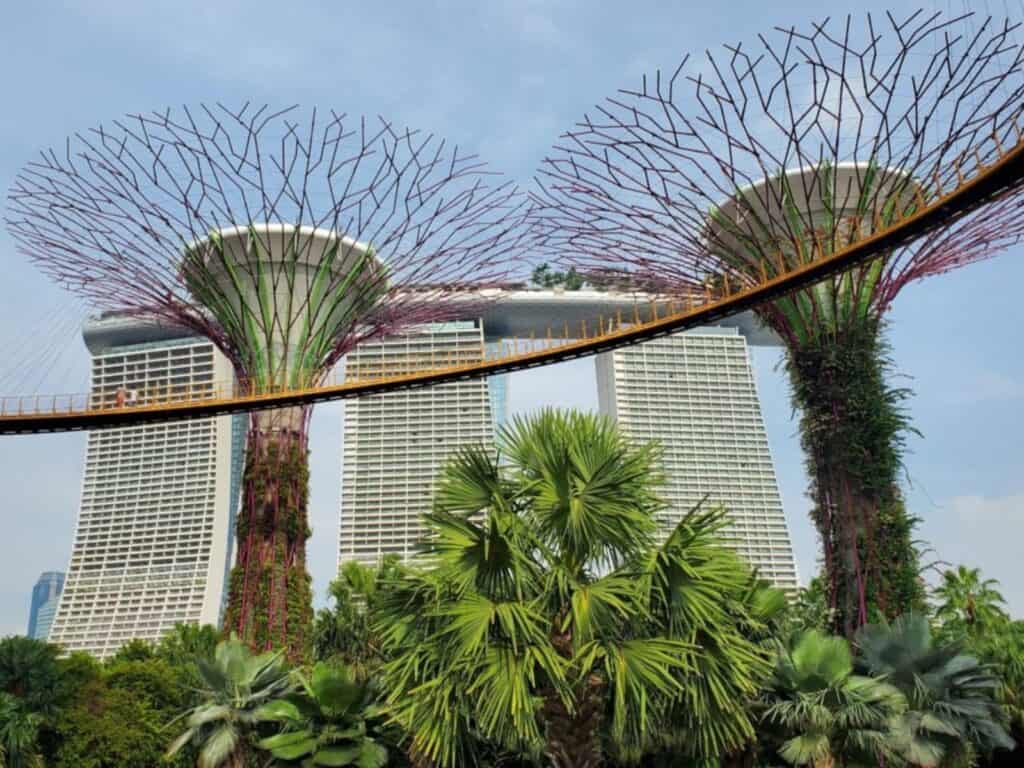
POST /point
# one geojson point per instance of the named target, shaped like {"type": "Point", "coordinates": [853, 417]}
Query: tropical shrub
{"type": "Point", "coordinates": [19, 734]}
{"type": "Point", "coordinates": [952, 712]}
{"type": "Point", "coordinates": [343, 632]}
{"type": "Point", "coordinates": [235, 685]}
{"type": "Point", "coordinates": [30, 672]}
{"type": "Point", "coordinates": [817, 712]}
{"type": "Point", "coordinates": [329, 720]}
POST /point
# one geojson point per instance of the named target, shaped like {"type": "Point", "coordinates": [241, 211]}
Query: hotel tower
{"type": "Point", "coordinates": [154, 536]}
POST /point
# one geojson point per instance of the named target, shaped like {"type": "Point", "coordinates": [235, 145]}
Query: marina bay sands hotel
{"type": "Point", "coordinates": [154, 541]}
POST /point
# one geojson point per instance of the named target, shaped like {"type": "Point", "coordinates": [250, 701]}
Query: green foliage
{"type": "Point", "coordinates": [343, 632]}
{"type": "Point", "coordinates": [102, 716]}
{"type": "Point", "coordinates": [969, 607]}
{"type": "Point", "coordinates": [188, 642]}
{"type": "Point", "coordinates": [235, 685]}
{"type": "Point", "coordinates": [30, 672]}
{"type": "Point", "coordinates": [951, 704]}
{"type": "Point", "coordinates": [816, 711]}
{"type": "Point", "coordinates": [547, 621]}
{"type": "Point", "coordinates": [270, 602]}
{"type": "Point", "coordinates": [152, 681]}
{"type": "Point", "coordinates": [112, 726]}
{"type": "Point", "coordinates": [853, 428]}
{"type": "Point", "coordinates": [620, 653]}
{"type": "Point", "coordinates": [19, 734]}
{"type": "Point", "coordinates": [543, 276]}
{"type": "Point", "coordinates": [809, 610]}
{"type": "Point", "coordinates": [182, 648]}
{"type": "Point", "coordinates": [328, 721]}
{"type": "Point", "coordinates": [134, 650]}
{"type": "Point", "coordinates": [1003, 649]}
{"type": "Point", "coordinates": [77, 670]}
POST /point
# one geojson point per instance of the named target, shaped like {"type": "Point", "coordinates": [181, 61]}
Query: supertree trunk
{"type": "Point", "coordinates": [852, 430]}
{"type": "Point", "coordinates": [270, 600]}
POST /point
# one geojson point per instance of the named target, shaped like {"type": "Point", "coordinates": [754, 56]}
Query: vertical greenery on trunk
{"type": "Point", "coordinates": [852, 431]}
{"type": "Point", "coordinates": [851, 421]}
{"type": "Point", "coordinates": [283, 309]}
{"type": "Point", "coordinates": [270, 597]}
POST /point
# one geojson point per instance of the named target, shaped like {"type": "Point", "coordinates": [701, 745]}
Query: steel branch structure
{"type": "Point", "coordinates": [175, 216]}
{"type": "Point", "coordinates": [286, 237]}
{"type": "Point", "coordinates": [763, 158]}
{"type": "Point", "coordinates": [752, 162]}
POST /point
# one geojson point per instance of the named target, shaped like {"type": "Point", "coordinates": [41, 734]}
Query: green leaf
{"type": "Point", "coordinates": [277, 711]}
{"type": "Point", "coordinates": [295, 750]}
{"type": "Point", "coordinates": [372, 755]}
{"type": "Point", "coordinates": [336, 756]}
{"type": "Point", "coordinates": [334, 688]}
{"type": "Point", "coordinates": [287, 739]}
{"type": "Point", "coordinates": [218, 747]}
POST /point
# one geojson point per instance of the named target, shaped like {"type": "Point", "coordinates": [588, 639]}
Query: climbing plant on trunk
{"type": "Point", "coordinates": [852, 430]}
{"type": "Point", "coordinates": [270, 597]}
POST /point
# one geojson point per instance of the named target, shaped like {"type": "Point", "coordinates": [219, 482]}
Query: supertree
{"type": "Point", "coordinates": [285, 237]}
{"type": "Point", "coordinates": [744, 164]}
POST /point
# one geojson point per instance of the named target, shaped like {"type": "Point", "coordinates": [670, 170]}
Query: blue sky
{"type": "Point", "coordinates": [503, 79]}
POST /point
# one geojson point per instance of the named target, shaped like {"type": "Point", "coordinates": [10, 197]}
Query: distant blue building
{"type": "Point", "coordinates": [45, 595]}
{"type": "Point", "coordinates": [497, 389]}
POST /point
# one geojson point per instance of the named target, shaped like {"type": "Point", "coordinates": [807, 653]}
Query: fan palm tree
{"type": "Point", "coordinates": [19, 733]}
{"type": "Point", "coordinates": [969, 606]}
{"type": "Point", "coordinates": [234, 686]}
{"type": "Point", "coordinates": [819, 713]}
{"type": "Point", "coordinates": [546, 620]}
{"type": "Point", "coordinates": [343, 632]}
{"type": "Point", "coordinates": [30, 671]}
{"type": "Point", "coordinates": [328, 721]}
{"type": "Point", "coordinates": [951, 697]}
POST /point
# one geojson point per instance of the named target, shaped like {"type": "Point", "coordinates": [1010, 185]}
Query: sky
{"type": "Point", "coordinates": [502, 78]}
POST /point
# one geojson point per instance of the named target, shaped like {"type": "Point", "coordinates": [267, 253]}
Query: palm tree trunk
{"type": "Point", "coordinates": [574, 738]}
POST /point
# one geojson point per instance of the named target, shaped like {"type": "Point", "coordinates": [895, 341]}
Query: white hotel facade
{"type": "Point", "coordinates": [154, 536]}
{"type": "Point", "coordinates": [154, 540]}
{"type": "Point", "coordinates": [396, 443]}
{"type": "Point", "coordinates": [695, 394]}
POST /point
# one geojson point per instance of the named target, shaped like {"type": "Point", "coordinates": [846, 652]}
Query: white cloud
{"type": "Point", "coordinates": [984, 387]}
{"type": "Point", "coordinates": [534, 21]}
{"type": "Point", "coordinates": [988, 509]}
{"type": "Point", "coordinates": [990, 385]}
{"type": "Point", "coordinates": [981, 532]}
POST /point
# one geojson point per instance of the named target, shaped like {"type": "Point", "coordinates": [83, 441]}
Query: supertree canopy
{"type": "Point", "coordinates": [749, 162]}
{"type": "Point", "coordinates": [287, 238]}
